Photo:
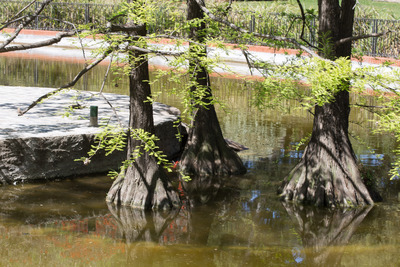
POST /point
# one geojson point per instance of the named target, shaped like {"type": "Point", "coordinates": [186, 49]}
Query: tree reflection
{"type": "Point", "coordinates": [135, 225]}
{"type": "Point", "coordinates": [201, 190]}
{"type": "Point", "coordinates": [324, 232]}
{"type": "Point", "coordinates": [176, 226]}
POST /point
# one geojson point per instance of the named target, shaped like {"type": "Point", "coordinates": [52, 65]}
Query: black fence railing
{"type": "Point", "coordinates": [56, 14]}
{"type": "Point", "coordinates": [291, 26]}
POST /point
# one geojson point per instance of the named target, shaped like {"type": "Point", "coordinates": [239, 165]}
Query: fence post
{"type": "Point", "coordinates": [253, 23]}
{"type": "Point", "coordinates": [37, 19]}
{"type": "Point", "coordinates": [374, 39]}
{"type": "Point", "coordinates": [86, 13]}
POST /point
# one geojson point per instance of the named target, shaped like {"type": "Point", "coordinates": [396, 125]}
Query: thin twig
{"type": "Point", "coordinates": [104, 97]}
{"type": "Point", "coordinates": [106, 75]}
{"type": "Point", "coordinates": [157, 52]}
{"type": "Point", "coordinates": [246, 56]}
{"type": "Point", "coordinates": [167, 36]}
{"type": "Point", "coordinates": [47, 42]}
{"type": "Point", "coordinates": [265, 36]}
{"type": "Point", "coordinates": [25, 23]}
{"type": "Point", "coordinates": [355, 38]}
{"type": "Point", "coordinates": [368, 106]}
{"type": "Point", "coordinates": [70, 84]}
{"type": "Point", "coordinates": [12, 19]}
{"type": "Point", "coordinates": [303, 18]}
{"type": "Point", "coordinates": [75, 28]}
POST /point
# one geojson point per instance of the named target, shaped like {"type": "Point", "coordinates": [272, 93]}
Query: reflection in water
{"type": "Point", "coordinates": [235, 221]}
{"type": "Point", "coordinates": [135, 225]}
{"type": "Point", "coordinates": [324, 233]}
{"type": "Point", "coordinates": [201, 190]}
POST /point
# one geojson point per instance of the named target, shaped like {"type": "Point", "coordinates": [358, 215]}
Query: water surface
{"type": "Point", "coordinates": [234, 221]}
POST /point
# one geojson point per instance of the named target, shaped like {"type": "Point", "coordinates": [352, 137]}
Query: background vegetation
{"type": "Point", "coordinates": [365, 8]}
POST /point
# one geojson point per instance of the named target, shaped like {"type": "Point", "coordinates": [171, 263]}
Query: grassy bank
{"type": "Point", "coordinates": [365, 8]}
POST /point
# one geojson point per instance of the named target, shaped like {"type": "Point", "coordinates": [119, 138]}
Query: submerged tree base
{"type": "Point", "coordinates": [322, 179]}
{"type": "Point", "coordinates": [146, 188]}
{"type": "Point", "coordinates": [206, 152]}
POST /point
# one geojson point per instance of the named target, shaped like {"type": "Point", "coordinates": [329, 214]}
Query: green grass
{"type": "Point", "coordinates": [108, 2]}
{"type": "Point", "coordinates": [365, 8]}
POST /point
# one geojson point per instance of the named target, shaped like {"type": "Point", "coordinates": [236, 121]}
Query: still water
{"type": "Point", "coordinates": [235, 221]}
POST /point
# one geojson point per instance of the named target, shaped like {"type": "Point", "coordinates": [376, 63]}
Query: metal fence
{"type": "Point", "coordinates": [291, 26]}
{"type": "Point", "coordinates": [55, 15]}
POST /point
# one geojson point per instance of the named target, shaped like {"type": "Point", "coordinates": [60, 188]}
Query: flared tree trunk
{"type": "Point", "coordinates": [206, 152]}
{"type": "Point", "coordinates": [328, 174]}
{"type": "Point", "coordinates": [145, 184]}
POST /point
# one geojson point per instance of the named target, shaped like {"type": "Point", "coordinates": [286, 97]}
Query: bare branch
{"type": "Point", "coordinates": [25, 23]}
{"type": "Point", "coordinates": [12, 19]}
{"type": "Point", "coordinates": [246, 55]}
{"type": "Point", "coordinates": [367, 106]}
{"type": "Point", "coordinates": [265, 36]}
{"type": "Point", "coordinates": [106, 75]}
{"type": "Point", "coordinates": [47, 42]}
{"type": "Point", "coordinates": [303, 18]}
{"type": "Point", "coordinates": [70, 84]}
{"type": "Point", "coordinates": [104, 97]}
{"type": "Point", "coordinates": [157, 52]}
{"type": "Point", "coordinates": [23, 9]}
{"type": "Point", "coordinates": [355, 38]}
{"type": "Point", "coordinates": [76, 31]}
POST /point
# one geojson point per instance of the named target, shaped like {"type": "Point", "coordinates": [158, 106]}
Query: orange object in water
{"type": "Point", "coordinates": [175, 164]}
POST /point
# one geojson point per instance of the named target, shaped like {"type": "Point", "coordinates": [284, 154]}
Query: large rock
{"type": "Point", "coordinates": [44, 145]}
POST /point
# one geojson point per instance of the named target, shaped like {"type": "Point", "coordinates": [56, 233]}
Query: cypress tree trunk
{"type": "Point", "coordinates": [145, 184]}
{"type": "Point", "coordinates": [328, 174]}
{"type": "Point", "coordinates": [206, 152]}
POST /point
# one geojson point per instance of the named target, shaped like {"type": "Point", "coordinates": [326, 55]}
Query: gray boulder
{"type": "Point", "coordinates": [42, 144]}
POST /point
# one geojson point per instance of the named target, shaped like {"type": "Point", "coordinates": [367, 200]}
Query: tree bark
{"type": "Point", "coordinates": [206, 152]}
{"type": "Point", "coordinates": [328, 174]}
{"type": "Point", "coordinates": [145, 184]}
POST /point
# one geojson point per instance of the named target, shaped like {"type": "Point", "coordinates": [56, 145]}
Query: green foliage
{"type": "Point", "coordinates": [138, 11]}
{"type": "Point", "coordinates": [114, 138]}
{"type": "Point", "coordinates": [324, 79]}
{"type": "Point", "coordinates": [110, 139]}
{"type": "Point", "coordinates": [147, 145]}
{"type": "Point", "coordinates": [302, 142]}
{"type": "Point", "coordinates": [389, 121]}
